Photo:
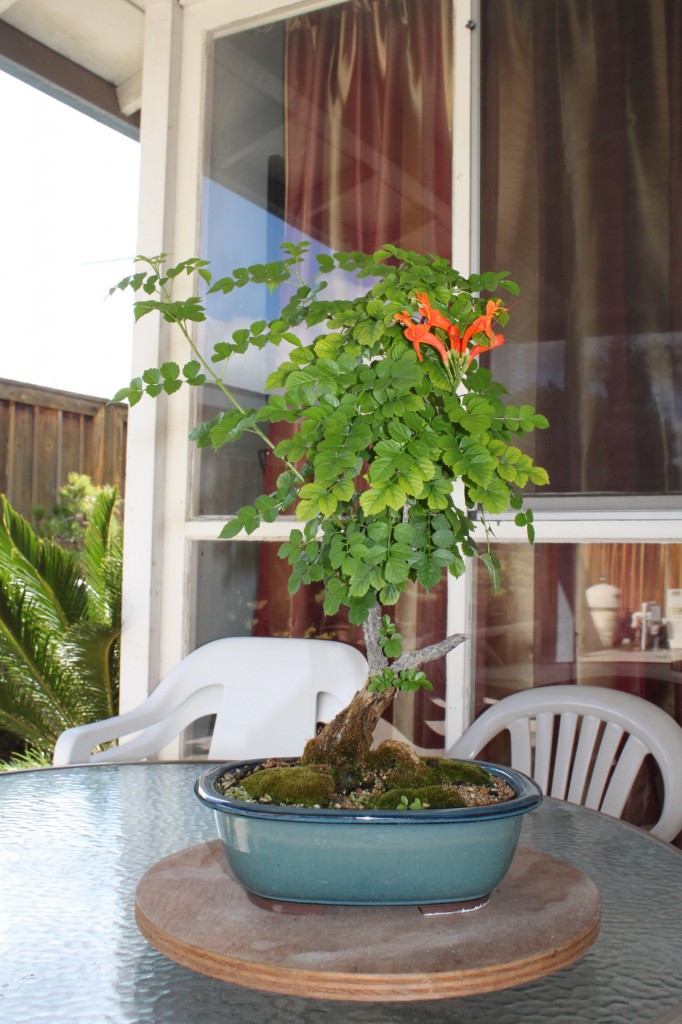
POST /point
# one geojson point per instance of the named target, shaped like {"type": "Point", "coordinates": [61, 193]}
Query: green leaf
{"type": "Point", "coordinates": [336, 594]}
{"type": "Point", "coordinates": [249, 518]}
{"type": "Point", "coordinates": [387, 494]}
{"type": "Point", "coordinates": [327, 346]}
{"type": "Point", "coordinates": [170, 371]}
{"type": "Point", "coordinates": [192, 369]}
{"type": "Point", "coordinates": [390, 593]}
{"type": "Point", "coordinates": [428, 573]}
{"type": "Point", "coordinates": [493, 567]}
{"type": "Point", "coordinates": [131, 394]}
{"type": "Point", "coordinates": [368, 332]}
{"type": "Point", "coordinates": [382, 469]}
{"type": "Point", "coordinates": [315, 500]}
{"type": "Point", "coordinates": [379, 531]}
{"type": "Point", "coordinates": [326, 262]}
{"type": "Point", "coordinates": [231, 529]}
{"type": "Point", "coordinates": [478, 415]}
{"type": "Point", "coordinates": [344, 489]}
{"type": "Point", "coordinates": [442, 557]}
{"type": "Point", "coordinates": [538, 476]}
{"type": "Point", "coordinates": [359, 608]}
{"type": "Point", "coordinates": [393, 647]}
{"type": "Point", "coordinates": [412, 482]}
{"type": "Point", "coordinates": [494, 498]}
{"type": "Point", "coordinates": [327, 504]}
{"type": "Point", "coordinates": [230, 425]}
{"type": "Point", "coordinates": [396, 571]}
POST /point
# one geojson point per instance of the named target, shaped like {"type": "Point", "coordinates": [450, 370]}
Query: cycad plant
{"type": "Point", "coordinates": [60, 622]}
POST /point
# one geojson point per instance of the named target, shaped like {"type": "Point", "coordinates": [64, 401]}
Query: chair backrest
{"type": "Point", "coordinates": [586, 744]}
{"type": "Point", "coordinates": [267, 693]}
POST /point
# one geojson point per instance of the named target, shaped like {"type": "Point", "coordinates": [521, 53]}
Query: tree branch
{"type": "Point", "coordinates": [413, 659]}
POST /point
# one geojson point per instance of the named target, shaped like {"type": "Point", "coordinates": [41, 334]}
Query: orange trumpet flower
{"type": "Point", "coordinates": [419, 334]}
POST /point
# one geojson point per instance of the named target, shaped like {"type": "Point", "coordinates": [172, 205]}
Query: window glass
{"type": "Point", "coordinates": [590, 614]}
{"type": "Point", "coordinates": [334, 126]}
{"type": "Point", "coordinates": [580, 200]}
{"type": "Point", "coordinates": [605, 614]}
{"type": "Point", "coordinates": [240, 589]}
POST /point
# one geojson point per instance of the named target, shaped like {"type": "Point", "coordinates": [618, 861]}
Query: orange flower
{"type": "Point", "coordinates": [498, 340]}
{"type": "Point", "coordinates": [435, 318]}
{"type": "Point", "coordinates": [419, 334]}
{"type": "Point", "coordinates": [484, 325]}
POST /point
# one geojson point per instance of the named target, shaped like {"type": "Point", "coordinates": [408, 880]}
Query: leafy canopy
{"type": "Point", "coordinates": [382, 428]}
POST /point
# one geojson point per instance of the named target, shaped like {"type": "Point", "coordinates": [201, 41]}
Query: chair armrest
{"type": "Point", "coordinates": [74, 746]}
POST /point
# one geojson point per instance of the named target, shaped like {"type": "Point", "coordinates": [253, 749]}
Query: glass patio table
{"type": "Point", "coordinates": [74, 843]}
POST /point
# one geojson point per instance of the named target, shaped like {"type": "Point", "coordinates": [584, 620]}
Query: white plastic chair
{"type": "Point", "coordinates": [268, 694]}
{"type": "Point", "coordinates": [585, 744]}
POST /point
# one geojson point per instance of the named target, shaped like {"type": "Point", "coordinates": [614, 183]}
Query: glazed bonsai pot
{"type": "Point", "coordinates": [360, 857]}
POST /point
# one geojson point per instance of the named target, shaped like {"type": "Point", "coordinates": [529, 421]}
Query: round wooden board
{"type": "Point", "coordinates": [543, 916]}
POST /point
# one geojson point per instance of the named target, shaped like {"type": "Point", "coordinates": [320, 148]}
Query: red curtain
{"type": "Point", "coordinates": [369, 125]}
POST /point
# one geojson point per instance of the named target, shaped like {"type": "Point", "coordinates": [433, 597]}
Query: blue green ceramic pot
{"type": "Point", "coordinates": [329, 856]}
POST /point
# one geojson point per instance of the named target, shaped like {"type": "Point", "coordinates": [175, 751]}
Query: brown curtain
{"type": "Point", "coordinates": [368, 88]}
{"type": "Point", "coordinates": [581, 201]}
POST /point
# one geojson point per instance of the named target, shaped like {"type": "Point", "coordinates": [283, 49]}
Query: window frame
{"type": "Point", "coordinates": [160, 527]}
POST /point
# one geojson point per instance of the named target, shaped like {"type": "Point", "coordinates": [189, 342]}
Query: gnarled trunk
{"type": "Point", "coordinates": [346, 740]}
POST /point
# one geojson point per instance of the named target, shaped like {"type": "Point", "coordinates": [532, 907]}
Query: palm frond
{"type": "Point", "coordinates": [59, 632]}
{"type": "Point", "coordinates": [16, 532]}
{"type": "Point", "coordinates": [102, 553]}
{"type": "Point", "coordinates": [113, 581]}
{"type": "Point", "coordinates": [39, 693]}
{"type": "Point", "coordinates": [91, 653]}
{"type": "Point", "coordinates": [51, 573]}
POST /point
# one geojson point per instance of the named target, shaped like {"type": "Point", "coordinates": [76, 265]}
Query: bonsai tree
{"type": "Point", "coordinates": [398, 433]}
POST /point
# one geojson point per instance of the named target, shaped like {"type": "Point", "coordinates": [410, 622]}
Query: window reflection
{"type": "Point", "coordinates": [599, 614]}
{"type": "Point", "coordinates": [591, 614]}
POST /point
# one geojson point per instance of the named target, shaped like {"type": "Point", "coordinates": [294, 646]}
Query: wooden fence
{"type": "Point", "coordinates": [47, 434]}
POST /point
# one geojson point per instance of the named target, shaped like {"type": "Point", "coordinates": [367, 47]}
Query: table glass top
{"type": "Point", "coordinates": [74, 842]}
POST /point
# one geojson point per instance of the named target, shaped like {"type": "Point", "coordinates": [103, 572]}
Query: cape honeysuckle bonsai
{"type": "Point", "coordinates": [389, 411]}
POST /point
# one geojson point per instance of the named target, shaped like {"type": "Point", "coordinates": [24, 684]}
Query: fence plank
{"type": "Point", "coordinates": [46, 434]}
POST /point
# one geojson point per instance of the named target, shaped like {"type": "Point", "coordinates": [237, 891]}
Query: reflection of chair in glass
{"type": "Point", "coordinates": [267, 693]}
{"type": "Point", "coordinates": [586, 744]}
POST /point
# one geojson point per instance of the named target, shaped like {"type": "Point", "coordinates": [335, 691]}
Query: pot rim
{"type": "Point", "coordinates": [528, 797]}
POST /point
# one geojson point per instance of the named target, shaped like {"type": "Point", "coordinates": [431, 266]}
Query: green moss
{"type": "Point", "coordinates": [391, 754]}
{"type": "Point", "coordinates": [459, 773]}
{"type": "Point", "coordinates": [436, 772]}
{"type": "Point", "coordinates": [411, 777]}
{"type": "Point", "coordinates": [304, 786]}
{"type": "Point", "coordinates": [430, 796]}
